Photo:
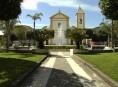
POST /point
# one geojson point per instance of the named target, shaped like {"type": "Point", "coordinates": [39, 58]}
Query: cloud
{"type": "Point", "coordinates": [30, 4]}
{"type": "Point", "coordinates": [33, 4]}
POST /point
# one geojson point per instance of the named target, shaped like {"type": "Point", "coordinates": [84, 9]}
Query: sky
{"type": "Point", "coordinates": [93, 15]}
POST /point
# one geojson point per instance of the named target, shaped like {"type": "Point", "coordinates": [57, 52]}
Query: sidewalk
{"type": "Point", "coordinates": [60, 70]}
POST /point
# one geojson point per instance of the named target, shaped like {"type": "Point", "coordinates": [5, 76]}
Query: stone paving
{"type": "Point", "coordinates": [61, 70]}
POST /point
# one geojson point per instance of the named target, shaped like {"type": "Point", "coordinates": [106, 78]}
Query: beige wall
{"type": "Point", "coordinates": [56, 22]}
{"type": "Point", "coordinates": [82, 16]}
{"type": "Point", "coordinates": [54, 26]}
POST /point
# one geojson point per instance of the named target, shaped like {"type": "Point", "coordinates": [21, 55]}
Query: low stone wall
{"type": "Point", "coordinates": [40, 51]}
{"type": "Point", "coordinates": [98, 47]}
{"type": "Point", "coordinates": [88, 51]}
{"type": "Point", "coordinates": [75, 51]}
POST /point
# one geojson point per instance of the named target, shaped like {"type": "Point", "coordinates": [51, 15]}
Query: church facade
{"type": "Point", "coordinates": [59, 22]}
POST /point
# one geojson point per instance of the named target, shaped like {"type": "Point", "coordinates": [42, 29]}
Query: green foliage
{"type": "Point", "coordinates": [19, 32]}
{"type": "Point", "coordinates": [103, 32]}
{"type": "Point", "coordinates": [99, 35]}
{"type": "Point", "coordinates": [42, 35]}
{"type": "Point", "coordinates": [2, 41]}
{"type": "Point", "coordinates": [12, 23]}
{"type": "Point", "coordinates": [106, 26]}
{"type": "Point", "coordinates": [116, 32]}
{"type": "Point", "coordinates": [9, 9]}
{"type": "Point", "coordinates": [2, 25]}
{"type": "Point", "coordinates": [89, 33]}
{"type": "Point", "coordinates": [35, 17]}
{"type": "Point", "coordinates": [30, 34]}
{"type": "Point", "coordinates": [116, 25]}
{"type": "Point", "coordinates": [76, 35]}
{"type": "Point", "coordinates": [109, 8]}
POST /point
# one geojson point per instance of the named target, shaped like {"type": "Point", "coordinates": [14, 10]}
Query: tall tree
{"type": "Point", "coordinates": [12, 24]}
{"type": "Point", "coordinates": [9, 9]}
{"type": "Point", "coordinates": [77, 35]}
{"type": "Point", "coordinates": [106, 27]}
{"type": "Point", "coordinates": [35, 17]}
{"type": "Point", "coordinates": [110, 10]}
{"type": "Point", "coordinates": [99, 35]}
{"type": "Point", "coordinates": [116, 32]}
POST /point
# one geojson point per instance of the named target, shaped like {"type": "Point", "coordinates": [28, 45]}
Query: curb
{"type": "Point", "coordinates": [99, 73]}
{"type": "Point", "coordinates": [20, 79]}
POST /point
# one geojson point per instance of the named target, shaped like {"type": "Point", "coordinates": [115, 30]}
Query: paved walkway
{"type": "Point", "coordinates": [60, 70]}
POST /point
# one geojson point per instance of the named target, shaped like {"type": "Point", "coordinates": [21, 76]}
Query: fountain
{"type": "Point", "coordinates": [59, 37]}
{"type": "Point", "coordinates": [59, 34]}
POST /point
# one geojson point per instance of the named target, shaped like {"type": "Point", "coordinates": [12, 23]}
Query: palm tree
{"type": "Point", "coordinates": [12, 24]}
{"type": "Point", "coordinates": [9, 26]}
{"type": "Point", "coordinates": [77, 35]}
{"type": "Point", "coordinates": [35, 17]}
{"type": "Point", "coordinates": [42, 35]}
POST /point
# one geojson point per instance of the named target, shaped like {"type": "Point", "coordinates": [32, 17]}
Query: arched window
{"type": "Point", "coordinates": [59, 25]}
{"type": "Point", "coordinates": [80, 21]}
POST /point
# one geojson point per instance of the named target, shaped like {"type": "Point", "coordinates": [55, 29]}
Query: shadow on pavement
{"type": "Point", "coordinates": [58, 78]}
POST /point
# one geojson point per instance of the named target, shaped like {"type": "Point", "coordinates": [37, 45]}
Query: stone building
{"type": "Point", "coordinates": [59, 22]}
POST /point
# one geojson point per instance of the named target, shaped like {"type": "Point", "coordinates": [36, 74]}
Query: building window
{"type": "Point", "coordinates": [59, 25]}
{"type": "Point", "coordinates": [80, 21]}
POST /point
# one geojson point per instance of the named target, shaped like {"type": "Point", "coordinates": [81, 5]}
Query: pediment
{"type": "Point", "coordinates": [59, 15]}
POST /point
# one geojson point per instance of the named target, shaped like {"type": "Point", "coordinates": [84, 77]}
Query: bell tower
{"type": "Point", "coordinates": [80, 18]}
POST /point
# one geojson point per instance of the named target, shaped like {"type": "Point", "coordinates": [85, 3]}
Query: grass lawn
{"type": "Point", "coordinates": [106, 62]}
{"type": "Point", "coordinates": [13, 65]}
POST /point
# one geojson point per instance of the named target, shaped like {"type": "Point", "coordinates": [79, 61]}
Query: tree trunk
{"type": "Point", "coordinates": [112, 36]}
{"type": "Point", "coordinates": [41, 45]}
{"type": "Point", "coordinates": [78, 45]}
{"type": "Point", "coordinates": [34, 34]}
{"type": "Point", "coordinates": [108, 40]}
{"type": "Point", "coordinates": [29, 44]}
{"type": "Point", "coordinates": [8, 36]}
{"type": "Point", "coordinates": [34, 24]}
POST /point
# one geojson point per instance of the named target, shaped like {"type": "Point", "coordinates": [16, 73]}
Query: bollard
{"type": "Point", "coordinates": [71, 52]}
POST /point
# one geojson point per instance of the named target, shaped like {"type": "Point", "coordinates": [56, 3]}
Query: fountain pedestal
{"type": "Point", "coordinates": [60, 36]}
